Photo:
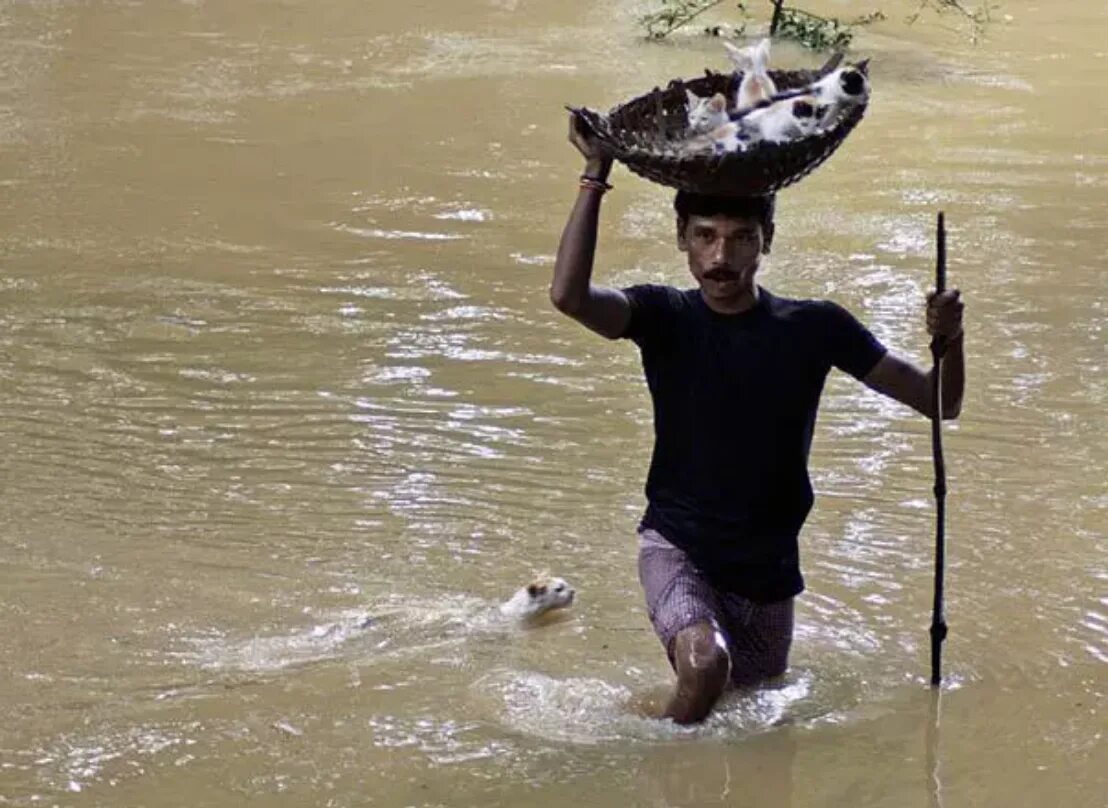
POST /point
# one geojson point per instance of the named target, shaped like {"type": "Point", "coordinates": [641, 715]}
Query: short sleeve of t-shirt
{"type": "Point", "coordinates": [652, 309]}
{"type": "Point", "coordinates": [850, 345]}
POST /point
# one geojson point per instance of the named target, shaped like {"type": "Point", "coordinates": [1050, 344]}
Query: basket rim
{"type": "Point", "coordinates": [763, 169]}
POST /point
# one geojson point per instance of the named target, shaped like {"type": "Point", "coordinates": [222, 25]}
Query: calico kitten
{"type": "Point", "coordinates": [780, 121]}
{"type": "Point", "coordinates": [798, 114]}
{"type": "Point", "coordinates": [787, 119]}
{"type": "Point", "coordinates": [752, 62]}
{"type": "Point", "coordinates": [706, 114]}
{"type": "Point", "coordinates": [840, 89]}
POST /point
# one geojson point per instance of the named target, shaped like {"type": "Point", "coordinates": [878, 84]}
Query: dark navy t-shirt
{"type": "Point", "coordinates": [735, 399]}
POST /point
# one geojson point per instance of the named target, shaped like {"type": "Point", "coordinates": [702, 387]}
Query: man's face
{"type": "Point", "coordinates": [724, 253]}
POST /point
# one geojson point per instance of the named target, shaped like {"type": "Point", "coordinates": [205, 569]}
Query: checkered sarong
{"type": "Point", "coordinates": [758, 635]}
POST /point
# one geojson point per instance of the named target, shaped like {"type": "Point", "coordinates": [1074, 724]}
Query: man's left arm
{"type": "Point", "coordinates": [900, 379]}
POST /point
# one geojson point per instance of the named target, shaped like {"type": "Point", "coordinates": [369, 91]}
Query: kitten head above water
{"type": "Point", "coordinates": [542, 595]}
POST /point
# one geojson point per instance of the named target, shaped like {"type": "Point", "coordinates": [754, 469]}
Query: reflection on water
{"type": "Point", "coordinates": [285, 413]}
{"type": "Point", "coordinates": [932, 741]}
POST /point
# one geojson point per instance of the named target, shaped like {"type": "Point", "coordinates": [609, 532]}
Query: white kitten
{"type": "Point", "coordinates": [542, 595]}
{"type": "Point", "coordinates": [752, 62]}
{"type": "Point", "coordinates": [706, 114]}
{"type": "Point", "coordinates": [787, 119]}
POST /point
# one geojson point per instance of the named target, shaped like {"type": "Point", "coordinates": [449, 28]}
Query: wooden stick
{"type": "Point", "coordinates": [776, 16]}
{"type": "Point", "coordinates": [938, 348]}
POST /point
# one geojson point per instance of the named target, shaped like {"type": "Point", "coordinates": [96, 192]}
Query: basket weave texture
{"type": "Point", "coordinates": [646, 134]}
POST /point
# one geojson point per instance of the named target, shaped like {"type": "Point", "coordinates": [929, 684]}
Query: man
{"type": "Point", "coordinates": [735, 374]}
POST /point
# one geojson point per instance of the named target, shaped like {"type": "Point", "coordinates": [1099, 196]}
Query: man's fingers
{"type": "Point", "coordinates": [946, 301]}
{"type": "Point", "coordinates": [944, 312]}
{"type": "Point", "coordinates": [576, 136]}
{"type": "Point", "coordinates": [574, 130]}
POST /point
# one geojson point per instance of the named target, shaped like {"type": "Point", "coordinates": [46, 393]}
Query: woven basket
{"type": "Point", "coordinates": [647, 132]}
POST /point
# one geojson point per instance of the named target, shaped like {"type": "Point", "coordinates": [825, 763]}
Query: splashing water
{"type": "Point", "coordinates": [587, 711]}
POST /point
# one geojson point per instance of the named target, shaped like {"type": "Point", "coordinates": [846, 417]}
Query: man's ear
{"type": "Point", "coordinates": [682, 243]}
{"type": "Point", "coordinates": [767, 237]}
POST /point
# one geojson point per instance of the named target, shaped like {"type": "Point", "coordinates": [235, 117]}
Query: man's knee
{"type": "Point", "coordinates": [700, 650]}
{"type": "Point", "coordinates": [703, 665]}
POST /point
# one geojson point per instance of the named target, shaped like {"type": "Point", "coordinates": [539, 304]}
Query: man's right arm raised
{"type": "Point", "coordinates": [605, 311]}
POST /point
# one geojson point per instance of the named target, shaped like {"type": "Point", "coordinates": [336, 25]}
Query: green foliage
{"type": "Point", "coordinates": [977, 16]}
{"type": "Point", "coordinates": [818, 33]}
{"type": "Point", "coordinates": [673, 14]}
{"type": "Point", "coordinates": [810, 30]}
{"type": "Point", "coordinates": [793, 23]}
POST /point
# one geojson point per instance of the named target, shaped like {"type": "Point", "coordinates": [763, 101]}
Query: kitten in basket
{"type": "Point", "coordinates": [753, 63]}
{"type": "Point", "coordinates": [842, 88]}
{"type": "Point", "coordinates": [817, 107]}
{"type": "Point", "coordinates": [708, 114]}
{"type": "Point", "coordinates": [779, 121]}
{"type": "Point", "coordinates": [762, 114]}
{"type": "Point", "coordinates": [538, 598]}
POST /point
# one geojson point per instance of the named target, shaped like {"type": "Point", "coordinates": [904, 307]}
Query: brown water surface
{"type": "Point", "coordinates": [276, 355]}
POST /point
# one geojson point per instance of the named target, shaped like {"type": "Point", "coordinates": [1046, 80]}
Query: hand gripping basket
{"type": "Point", "coordinates": [647, 132]}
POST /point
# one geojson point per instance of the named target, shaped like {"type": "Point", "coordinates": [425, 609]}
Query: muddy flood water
{"type": "Point", "coordinates": [285, 412]}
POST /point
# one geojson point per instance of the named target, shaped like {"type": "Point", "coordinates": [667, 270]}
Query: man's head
{"type": "Point", "coordinates": [725, 238]}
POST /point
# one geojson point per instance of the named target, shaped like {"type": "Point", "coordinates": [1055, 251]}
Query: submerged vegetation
{"type": "Point", "coordinates": [803, 26]}
{"type": "Point", "coordinates": [977, 17]}
{"type": "Point", "coordinates": [675, 14]}
{"type": "Point", "coordinates": [816, 32]}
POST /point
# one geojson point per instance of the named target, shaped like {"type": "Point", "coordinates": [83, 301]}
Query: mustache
{"type": "Point", "coordinates": [721, 274]}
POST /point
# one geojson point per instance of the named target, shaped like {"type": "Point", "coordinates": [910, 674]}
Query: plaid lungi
{"type": "Point", "coordinates": [758, 635]}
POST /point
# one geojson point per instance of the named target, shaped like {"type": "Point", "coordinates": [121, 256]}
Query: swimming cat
{"type": "Point", "coordinates": [542, 595]}
{"type": "Point", "coordinates": [756, 84]}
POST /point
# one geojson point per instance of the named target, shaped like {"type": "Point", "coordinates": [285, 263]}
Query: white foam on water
{"type": "Point", "coordinates": [73, 761]}
{"type": "Point", "coordinates": [443, 742]}
{"type": "Point", "coordinates": [274, 652]}
{"type": "Point", "coordinates": [383, 629]}
{"type": "Point", "coordinates": [591, 711]}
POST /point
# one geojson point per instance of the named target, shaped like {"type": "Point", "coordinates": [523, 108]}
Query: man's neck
{"type": "Point", "coordinates": [744, 301]}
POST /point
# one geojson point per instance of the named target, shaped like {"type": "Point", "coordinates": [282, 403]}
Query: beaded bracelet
{"type": "Point", "coordinates": [594, 183]}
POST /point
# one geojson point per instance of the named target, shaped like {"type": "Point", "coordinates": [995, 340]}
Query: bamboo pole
{"type": "Point", "coordinates": [938, 348]}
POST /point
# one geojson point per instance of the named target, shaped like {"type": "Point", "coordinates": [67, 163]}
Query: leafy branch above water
{"type": "Point", "coordinates": [675, 14]}
{"type": "Point", "coordinates": [816, 32]}
{"type": "Point", "coordinates": [978, 17]}
{"type": "Point", "coordinates": [803, 26]}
